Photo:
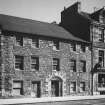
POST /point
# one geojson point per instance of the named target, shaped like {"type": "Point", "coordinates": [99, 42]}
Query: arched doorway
{"type": "Point", "coordinates": [56, 87]}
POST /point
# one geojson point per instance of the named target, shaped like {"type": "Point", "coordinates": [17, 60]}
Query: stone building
{"type": "Point", "coordinates": [89, 27]}
{"type": "Point", "coordinates": [40, 59]}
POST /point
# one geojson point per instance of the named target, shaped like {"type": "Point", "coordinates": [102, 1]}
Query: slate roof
{"type": "Point", "coordinates": [92, 16]}
{"type": "Point", "coordinates": [85, 15]}
{"type": "Point", "coordinates": [23, 25]}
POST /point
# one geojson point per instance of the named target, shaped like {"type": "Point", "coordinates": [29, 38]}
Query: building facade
{"type": "Point", "coordinates": [39, 59]}
{"type": "Point", "coordinates": [90, 27]}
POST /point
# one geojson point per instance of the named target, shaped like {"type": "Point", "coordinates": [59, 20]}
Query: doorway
{"type": "Point", "coordinates": [36, 91]}
{"type": "Point", "coordinates": [56, 88]}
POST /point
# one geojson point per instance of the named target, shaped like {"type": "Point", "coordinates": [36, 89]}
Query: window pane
{"type": "Point", "coordinates": [35, 63]}
{"type": "Point", "coordinates": [73, 65]}
{"type": "Point", "coordinates": [17, 88]}
{"type": "Point", "coordinates": [73, 46]}
{"type": "Point", "coordinates": [101, 35]}
{"type": "Point", "coordinates": [19, 62]}
{"type": "Point", "coordinates": [83, 48]}
{"type": "Point", "coordinates": [82, 86]}
{"type": "Point", "coordinates": [35, 42]}
{"type": "Point", "coordinates": [83, 66]}
{"type": "Point", "coordinates": [72, 86]}
{"type": "Point", "coordinates": [34, 60]}
{"type": "Point", "coordinates": [16, 92]}
{"type": "Point", "coordinates": [19, 40]}
{"type": "Point", "coordinates": [56, 45]}
{"type": "Point", "coordinates": [55, 64]}
{"type": "Point", "coordinates": [101, 57]}
{"type": "Point", "coordinates": [17, 85]}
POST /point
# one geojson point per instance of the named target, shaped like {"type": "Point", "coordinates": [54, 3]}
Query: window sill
{"type": "Point", "coordinates": [56, 70]}
{"type": "Point", "coordinates": [19, 45]}
{"type": "Point", "coordinates": [35, 47]}
{"type": "Point", "coordinates": [73, 92]}
{"type": "Point", "coordinates": [34, 70]}
{"type": "Point", "coordinates": [82, 91]}
{"type": "Point", "coordinates": [19, 69]}
{"type": "Point", "coordinates": [56, 50]}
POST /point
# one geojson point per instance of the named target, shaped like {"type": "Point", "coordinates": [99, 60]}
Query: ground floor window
{"type": "Point", "coordinates": [36, 89]}
{"type": "Point", "coordinates": [72, 87]}
{"type": "Point", "coordinates": [102, 93]}
{"type": "Point", "coordinates": [101, 80]}
{"type": "Point", "coordinates": [17, 87]}
{"type": "Point", "coordinates": [82, 86]}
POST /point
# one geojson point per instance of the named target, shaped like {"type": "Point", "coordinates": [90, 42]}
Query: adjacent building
{"type": "Point", "coordinates": [89, 27]}
{"type": "Point", "coordinates": [40, 59]}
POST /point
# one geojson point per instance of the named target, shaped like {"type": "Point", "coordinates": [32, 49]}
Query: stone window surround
{"type": "Point", "coordinates": [19, 40]}
{"type": "Point", "coordinates": [82, 86]}
{"type": "Point", "coordinates": [55, 45]}
{"type": "Point", "coordinates": [72, 86]}
{"type": "Point", "coordinates": [73, 65]}
{"type": "Point", "coordinates": [34, 62]}
{"type": "Point", "coordinates": [56, 64]}
{"type": "Point", "coordinates": [83, 66]}
{"type": "Point", "coordinates": [17, 87]}
{"type": "Point", "coordinates": [19, 62]}
{"type": "Point", "coordinates": [101, 56]}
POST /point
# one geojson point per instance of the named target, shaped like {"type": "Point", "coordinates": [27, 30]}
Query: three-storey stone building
{"type": "Point", "coordinates": [39, 59]}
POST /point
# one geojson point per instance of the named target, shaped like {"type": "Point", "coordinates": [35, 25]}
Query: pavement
{"type": "Point", "coordinates": [70, 100]}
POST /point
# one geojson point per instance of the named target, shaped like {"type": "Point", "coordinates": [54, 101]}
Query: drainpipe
{"type": "Point", "coordinates": [91, 30]}
{"type": "Point", "coordinates": [92, 71]}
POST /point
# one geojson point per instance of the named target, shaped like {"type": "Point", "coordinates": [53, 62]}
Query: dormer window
{"type": "Point", "coordinates": [35, 42]}
{"type": "Point", "coordinates": [83, 48]}
{"type": "Point", "coordinates": [101, 18]}
{"type": "Point", "coordinates": [55, 45]}
{"type": "Point", "coordinates": [73, 46]}
{"type": "Point", "coordinates": [19, 40]}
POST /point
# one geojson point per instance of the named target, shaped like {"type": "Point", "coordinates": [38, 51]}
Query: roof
{"type": "Point", "coordinates": [34, 27]}
{"type": "Point", "coordinates": [85, 15]}
{"type": "Point", "coordinates": [92, 16]}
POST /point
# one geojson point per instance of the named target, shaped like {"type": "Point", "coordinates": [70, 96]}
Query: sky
{"type": "Point", "coordinates": [44, 10]}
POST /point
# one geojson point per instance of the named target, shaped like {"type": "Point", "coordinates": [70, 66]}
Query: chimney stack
{"type": "Point", "coordinates": [79, 6]}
